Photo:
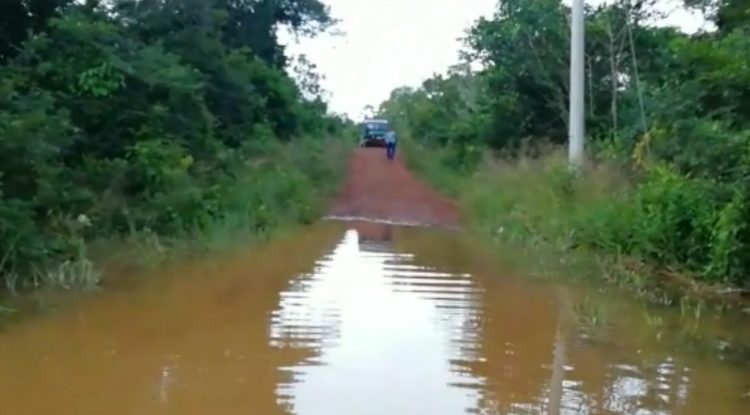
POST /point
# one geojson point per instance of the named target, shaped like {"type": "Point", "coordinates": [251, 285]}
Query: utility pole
{"type": "Point", "coordinates": [577, 87]}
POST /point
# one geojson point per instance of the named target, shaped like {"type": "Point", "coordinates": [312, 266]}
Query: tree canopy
{"type": "Point", "coordinates": [133, 113]}
{"type": "Point", "coordinates": [673, 102]}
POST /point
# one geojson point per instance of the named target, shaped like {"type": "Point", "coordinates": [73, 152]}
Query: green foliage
{"type": "Point", "coordinates": [665, 218]}
{"type": "Point", "coordinates": [729, 241]}
{"type": "Point", "coordinates": [154, 117]}
{"type": "Point", "coordinates": [670, 182]}
{"type": "Point", "coordinates": [18, 18]}
{"type": "Point", "coordinates": [589, 313]}
{"type": "Point", "coordinates": [77, 272]}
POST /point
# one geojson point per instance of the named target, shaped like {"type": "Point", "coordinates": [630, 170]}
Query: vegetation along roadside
{"type": "Point", "coordinates": [164, 124]}
{"type": "Point", "coordinates": [664, 201]}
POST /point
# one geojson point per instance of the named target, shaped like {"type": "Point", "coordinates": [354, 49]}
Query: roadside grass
{"type": "Point", "coordinates": [77, 272]}
{"type": "Point", "coordinates": [288, 186]}
{"type": "Point", "coordinates": [598, 225]}
{"type": "Point", "coordinates": [539, 220]}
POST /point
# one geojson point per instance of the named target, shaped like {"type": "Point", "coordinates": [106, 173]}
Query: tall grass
{"type": "Point", "coordinates": [77, 272]}
{"type": "Point", "coordinates": [540, 200]}
{"type": "Point", "coordinates": [652, 230]}
{"type": "Point", "coordinates": [283, 185]}
{"type": "Point", "coordinates": [290, 187]}
{"type": "Point", "coordinates": [564, 223]}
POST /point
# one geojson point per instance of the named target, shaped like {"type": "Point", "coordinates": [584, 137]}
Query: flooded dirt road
{"type": "Point", "coordinates": [386, 191]}
{"type": "Point", "coordinates": [358, 319]}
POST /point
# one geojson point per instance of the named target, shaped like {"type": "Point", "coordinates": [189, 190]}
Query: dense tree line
{"type": "Point", "coordinates": [672, 109]}
{"type": "Point", "coordinates": [118, 116]}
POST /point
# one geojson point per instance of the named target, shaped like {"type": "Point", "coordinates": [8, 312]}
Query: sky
{"type": "Point", "coordinates": [386, 44]}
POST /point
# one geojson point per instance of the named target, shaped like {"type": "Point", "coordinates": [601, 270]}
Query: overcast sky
{"type": "Point", "coordinates": [391, 43]}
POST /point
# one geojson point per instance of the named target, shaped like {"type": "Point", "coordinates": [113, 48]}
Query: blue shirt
{"type": "Point", "coordinates": [390, 137]}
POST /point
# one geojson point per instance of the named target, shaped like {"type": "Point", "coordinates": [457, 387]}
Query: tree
{"type": "Point", "coordinates": [19, 18]}
{"type": "Point", "coordinates": [140, 114]}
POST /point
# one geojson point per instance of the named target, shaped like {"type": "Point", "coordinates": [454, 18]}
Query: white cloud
{"type": "Point", "coordinates": [388, 43]}
{"type": "Point", "coordinates": [392, 43]}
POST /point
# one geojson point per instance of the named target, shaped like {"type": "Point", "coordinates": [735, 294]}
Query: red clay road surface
{"type": "Point", "coordinates": [380, 190]}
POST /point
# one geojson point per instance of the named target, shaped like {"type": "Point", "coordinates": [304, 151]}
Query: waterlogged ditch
{"type": "Point", "coordinates": [367, 319]}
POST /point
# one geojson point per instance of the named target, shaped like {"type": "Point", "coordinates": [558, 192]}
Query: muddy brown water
{"type": "Point", "coordinates": [357, 319]}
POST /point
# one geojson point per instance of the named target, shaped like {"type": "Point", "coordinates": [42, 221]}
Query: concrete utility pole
{"type": "Point", "coordinates": [577, 87]}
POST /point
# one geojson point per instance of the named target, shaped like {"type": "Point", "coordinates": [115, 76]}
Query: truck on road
{"type": "Point", "coordinates": [373, 133]}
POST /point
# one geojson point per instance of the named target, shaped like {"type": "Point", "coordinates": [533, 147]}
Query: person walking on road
{"type": "Point", "coordinates": [390, 144]}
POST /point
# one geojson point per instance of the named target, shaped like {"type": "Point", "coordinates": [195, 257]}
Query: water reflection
{"type": "Point", "coordinates": [386, 332]}
{"type": "Point", "coordinates": [374, 234]}
{"type": "Point", "coordinates": [373, 320]}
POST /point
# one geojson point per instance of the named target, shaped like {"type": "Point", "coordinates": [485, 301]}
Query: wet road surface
{"type": "Point", "coordinates": [355, 319]}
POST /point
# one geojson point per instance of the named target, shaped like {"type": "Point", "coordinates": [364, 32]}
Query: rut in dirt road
{"type": "Point", "coordinates": [380, 190]}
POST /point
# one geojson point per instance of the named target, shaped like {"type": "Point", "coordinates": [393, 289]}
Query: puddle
{"type": "Point", "coordinates": [356, 319]}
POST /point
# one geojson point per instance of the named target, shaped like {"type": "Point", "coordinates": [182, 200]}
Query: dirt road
{"type": "Point", "coordinates": [364, 318]}
{"type": "Point", "coordinates": [380, 190]}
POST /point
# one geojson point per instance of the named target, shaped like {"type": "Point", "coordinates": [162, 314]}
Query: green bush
{"type": "Point", "coordinates": [669, 137]}
{"type": "Point", "coordinates": [660, 216]}
{"type": "Point", "coordinates": [675, 218]}
{"type": "Point", "coordinates": [161, 130]}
